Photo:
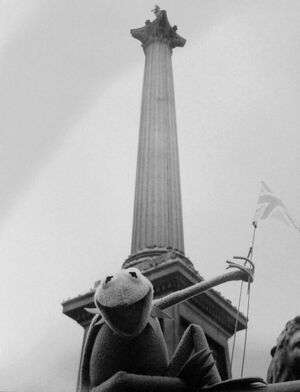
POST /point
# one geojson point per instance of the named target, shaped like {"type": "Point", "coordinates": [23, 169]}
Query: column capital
{"type": "Point", "coordinates": [158, 30]}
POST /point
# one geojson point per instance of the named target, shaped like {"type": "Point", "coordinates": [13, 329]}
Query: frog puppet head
{"type": "Point", "coordinates": [125, 301]}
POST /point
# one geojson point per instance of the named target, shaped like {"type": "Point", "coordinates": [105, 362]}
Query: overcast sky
{"type": "Point", "coordinates": [71, 80]}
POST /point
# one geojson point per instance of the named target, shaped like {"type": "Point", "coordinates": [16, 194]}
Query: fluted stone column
{"type": "Point", "coordinates": [157, 222]}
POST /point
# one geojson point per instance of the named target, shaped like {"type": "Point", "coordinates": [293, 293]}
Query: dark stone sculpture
{"type": "Point", "coordinates": [285, 363]}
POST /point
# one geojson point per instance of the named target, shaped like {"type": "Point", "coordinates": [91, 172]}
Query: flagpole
{"type": "Point", "coordinates": [254, 224]}
{"type": "Point", "coordinates": [250, 255]}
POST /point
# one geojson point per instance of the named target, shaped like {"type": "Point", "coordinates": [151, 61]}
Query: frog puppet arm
{"type": "Point", "coordinates": [125, 347]}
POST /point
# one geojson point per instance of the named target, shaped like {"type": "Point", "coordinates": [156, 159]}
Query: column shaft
{"type": "Point", "coordinates": [157, 219]}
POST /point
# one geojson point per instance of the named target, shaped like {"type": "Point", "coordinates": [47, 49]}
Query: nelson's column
{"type": "Point", "coordinates": [157, 238]}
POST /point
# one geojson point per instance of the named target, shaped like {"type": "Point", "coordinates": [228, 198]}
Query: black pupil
{"type": "Point", "coordinates": [108, 279]}
{"type": "Point", "coordinates": [133, 274]}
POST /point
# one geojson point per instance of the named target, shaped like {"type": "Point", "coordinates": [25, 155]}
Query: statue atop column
{"type": "Point", "coordinates": [159, 29]}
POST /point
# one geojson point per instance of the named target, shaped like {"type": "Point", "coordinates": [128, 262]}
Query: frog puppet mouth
{"type": "Point", "coordinates": [127, 320]}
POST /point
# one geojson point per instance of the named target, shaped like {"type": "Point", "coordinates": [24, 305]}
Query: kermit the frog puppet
{"type": "Point", "coordinates": [125, 349]}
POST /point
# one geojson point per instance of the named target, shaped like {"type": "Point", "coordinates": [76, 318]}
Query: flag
{"type": "Point", "coordinates": [269, 205]}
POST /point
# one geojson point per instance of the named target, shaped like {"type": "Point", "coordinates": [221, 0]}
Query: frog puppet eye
{"type": "Point", "coordinates": [108, 279]}
{"type": "Point", "coordinates": [133, 274]}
